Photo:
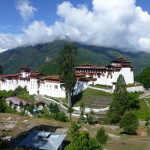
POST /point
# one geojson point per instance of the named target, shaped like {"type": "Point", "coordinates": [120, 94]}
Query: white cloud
{"type": "Point", "coordinates": [25, 9]}
{"type": "Point", "coordinates": [112, 23]}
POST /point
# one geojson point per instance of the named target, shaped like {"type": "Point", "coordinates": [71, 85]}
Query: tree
{"type": "Point", "coordinates": [133, 101]}
{"type": "Point", "coordinates": [53, 108]}
{"type": "Point", "coordinates": [82, 109]}
{"type": "Point", "coordinates": [66, 63]}
{"type": "Point", "coordinates": [1, 69]}
{"type": "Point", "coordinates": [120, 101]}
{"type": "Point", "coordinates": [82, 140]}
{"type": "Point", "coordinates": [101, 136]}
{"type": "Point", "coordinates": [144, 77]}
{"type": "Point", "coordinates": [129, 123]}
{"type": "Point", "coordinates": [90, 119]}
{"type": "Point", "coordinates": [2, 106]}
{"type": "Point", "coordinates": [70, 111]}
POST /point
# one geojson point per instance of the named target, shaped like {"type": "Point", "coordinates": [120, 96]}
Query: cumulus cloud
{"type": "Point", "coordinates": [25, 9]}
{"type": "Point", "coordinates": [112, 23]}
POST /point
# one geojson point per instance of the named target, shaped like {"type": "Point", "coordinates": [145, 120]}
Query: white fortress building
{"type": "Point", "coordinates": [108, 75]}
{"type": "Point", "coordinates": [36, 83]}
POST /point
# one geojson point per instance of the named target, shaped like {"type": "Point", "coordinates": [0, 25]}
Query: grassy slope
{"type": "Point", "coordinates": [25, 96]}
{"type": "Point", "coordinates": [144, 111]}
{"type": "Point", "coordinates": [92, 98]}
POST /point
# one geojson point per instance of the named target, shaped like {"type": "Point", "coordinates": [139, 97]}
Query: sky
{"type": "Point", "coordinates": [122, 24]}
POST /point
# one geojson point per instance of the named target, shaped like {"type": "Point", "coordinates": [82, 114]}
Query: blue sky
{"type": "Point", "coordinates": [122, 24]}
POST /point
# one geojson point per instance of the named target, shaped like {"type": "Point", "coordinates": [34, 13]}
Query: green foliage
{"type": "Point", "coordinates": [25, 96]}
{"type": "Point", "coordinates": [82, 141]}
{"type": "Point", "coordinates": [1, 69]}
{"type": "Point", "coordinates": [90, 119]}
{"type": "Point", "coordinates": [101, 136]}
{"type": "Point", "coordinates": [5, 94]}
{"type": "Point", "coordinates": [70, 111]}
{"type": "Point", "coordinates": [133, 101]}
{"type": "Point", "coordinates": [120, 101]}
{"type": "Point", "coordinates": [30, 108]}
{"type": "Point", "coordinates": [60, 116]}
{"type": "Point", "coordinates": [66, 64]}
{"type": "Point", "coordinates": [129, 123]}
{"type": "Point", "coordinates": [53, 108]}
{"type": "Point", "coordinates": [144, 77]}
{"type": "Point", "coordinates": [3, 143]}
{"type": "Point", "coordinates": [147, 121]}
{"type": "Point", "coordinates": [2, 106]}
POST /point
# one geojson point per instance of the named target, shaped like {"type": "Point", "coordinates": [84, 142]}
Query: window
{"type": "Point", "coordinates": [55, 86]}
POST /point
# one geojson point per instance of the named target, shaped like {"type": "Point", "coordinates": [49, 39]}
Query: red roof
{"type": "Point", "coordinates": [54, 77]}
{"type": "Point", "coordinates": [10, 75]}
{"type": "Point", "coordinates": [17, 101]}
{"type": "Point", "coordinates": [91, 67]}
{"type": "Point", "coordinates": [38, 102]}
{"type": "Point", "coordinates": [35, 74]}
{"type": "Point", "coordinates": [121, 60]}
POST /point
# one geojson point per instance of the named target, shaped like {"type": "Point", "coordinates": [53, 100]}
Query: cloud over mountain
{"type": "Point", "coordinates": [112, 23]}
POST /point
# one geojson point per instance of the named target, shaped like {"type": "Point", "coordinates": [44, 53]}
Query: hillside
{"type": "Point", "coordinates": [42, 57]}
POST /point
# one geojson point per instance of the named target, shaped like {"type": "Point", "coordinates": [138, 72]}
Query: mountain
{"type": "Point", "coordinates": [42, 57]}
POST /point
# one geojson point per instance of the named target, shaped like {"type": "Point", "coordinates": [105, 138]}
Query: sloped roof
{"type": "Point", "coordinates": [86, 66]}
{"type": "Point", "coordinates": [43, 140]}
{"type": "Point", "coordinates": [16, 100]}
{"type": "Point", "coordinates": [121, 60]}
{"type": "Point", "coordinates": [10, 75]}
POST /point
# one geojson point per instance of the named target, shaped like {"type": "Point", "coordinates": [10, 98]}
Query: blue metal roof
{"type": "Point", "coordinates": [43, 140]}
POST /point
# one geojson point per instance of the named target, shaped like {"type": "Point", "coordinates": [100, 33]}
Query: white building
{"type": "Point", "coordinates": [108, 75]}
{"type": "Point", "coordinates": [36, 83]}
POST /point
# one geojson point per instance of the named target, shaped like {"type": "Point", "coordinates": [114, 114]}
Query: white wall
{"type": "Point", "coordinates": [127, 74]}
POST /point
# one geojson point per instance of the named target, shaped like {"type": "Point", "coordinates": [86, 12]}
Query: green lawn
{"type": "Point", "coordinates": [91, 96]}
{"type": "Point", "coordinates": [144, 111]}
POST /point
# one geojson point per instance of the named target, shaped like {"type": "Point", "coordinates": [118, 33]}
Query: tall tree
{"type": "Point", "coordinates": [1, 69]}
{"type": "Point", "coordinates": [66, 62]}
{"type": "Point", "coordinates": [144, 77]}
{"type": "Point", "coordinates": [120, 101]}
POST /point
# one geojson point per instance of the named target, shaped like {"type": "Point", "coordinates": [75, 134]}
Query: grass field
{"type": "Point", "coordinates": [144, 111]}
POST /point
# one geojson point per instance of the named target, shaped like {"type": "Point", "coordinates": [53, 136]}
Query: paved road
{"type": "Point", "coordinates": [48, 101]}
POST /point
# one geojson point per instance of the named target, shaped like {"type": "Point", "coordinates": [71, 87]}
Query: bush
{"type": "Point", "coordinates": [90, 119]}
{"type": "Point", "coordinates": [60, 116]}
{"type": "Point", "coordinates": [129, 123]}
{"type": "Point", "coordinates": [101, 136]}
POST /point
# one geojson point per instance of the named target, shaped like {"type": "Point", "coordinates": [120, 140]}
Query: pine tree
{"type": "Point", "coordinates": [66, 62]}
{"type": "Point", "coordinates": [129, 123]}
{"type": "Point", "coordinates": [120, 101]}
{"type": "Point", "coordinates": [101, 136]}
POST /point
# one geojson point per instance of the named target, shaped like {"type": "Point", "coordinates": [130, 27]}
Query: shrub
{"type": "Point", "coordinates": [60, 116]}
{"type": "Point", "coordinates": [129, 123]}
{"type": "Point", "coordinates": [101, 136]}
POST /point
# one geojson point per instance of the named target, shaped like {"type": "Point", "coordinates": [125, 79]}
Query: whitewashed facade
{"type": "Point", "coordinates": [86, 75]}
{"type": "Point", "coordinates": [108, 75]}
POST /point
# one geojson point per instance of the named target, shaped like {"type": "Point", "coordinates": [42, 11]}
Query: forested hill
{"type": "Point", "coordinates": [42, 57]}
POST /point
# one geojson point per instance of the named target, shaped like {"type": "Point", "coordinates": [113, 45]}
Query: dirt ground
{"type": "Point", "coordinates": [18, 126]}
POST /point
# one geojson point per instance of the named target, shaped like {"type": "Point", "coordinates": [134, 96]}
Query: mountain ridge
{"type": "Point", "coordinates": [42, 56]}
